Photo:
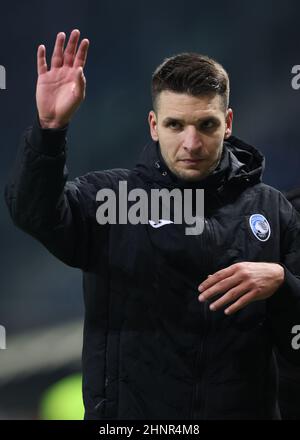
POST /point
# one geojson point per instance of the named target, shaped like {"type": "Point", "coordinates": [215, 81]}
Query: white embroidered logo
{"type": "Point", "coordinates": [160, 223]}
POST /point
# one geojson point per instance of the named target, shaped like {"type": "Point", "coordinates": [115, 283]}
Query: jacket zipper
{"type": "Point", "coordinates": [199, 402]}
{"type": "Point", "coordinates": [200, 368]}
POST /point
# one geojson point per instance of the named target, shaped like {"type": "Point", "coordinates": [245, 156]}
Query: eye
{"type": "Point", "coordinates": [174, 125]}
{"type": "Point", "coordinates": [208, 124]}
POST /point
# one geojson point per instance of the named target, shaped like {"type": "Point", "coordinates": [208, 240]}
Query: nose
{"type": "Point", "coordinates": [192, 140]}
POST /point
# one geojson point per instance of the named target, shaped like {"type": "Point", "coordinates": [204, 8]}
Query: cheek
{"type": "Point", "coordinates": [169, 142]}
{"type": "Point", "coordinates": [218, 136]}
{"type": "Point", "coordinates": [214, 146]}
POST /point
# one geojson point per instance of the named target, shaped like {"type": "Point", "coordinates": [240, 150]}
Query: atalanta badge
{"type": "Point", "coordinates": [260, 227]}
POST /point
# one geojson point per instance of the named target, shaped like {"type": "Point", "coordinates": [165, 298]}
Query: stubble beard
{"type": "Point", "coordinates": [184, 175]}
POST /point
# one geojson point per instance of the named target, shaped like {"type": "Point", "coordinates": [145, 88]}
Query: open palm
{"type": "Point", "coordinates": [61, 89]}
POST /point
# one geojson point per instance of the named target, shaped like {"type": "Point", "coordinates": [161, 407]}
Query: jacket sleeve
{"type": "Point", "coordinates": [284, 305]}
{"type": "Point", "coordinates": [59, 214]}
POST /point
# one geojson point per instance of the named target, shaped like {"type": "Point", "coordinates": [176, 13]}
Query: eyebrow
{"type": "Point", "coordinates": [172, 119]}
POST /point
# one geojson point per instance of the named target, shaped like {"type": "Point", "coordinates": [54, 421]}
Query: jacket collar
{"type": "Point", "coordinates": [240, 163]}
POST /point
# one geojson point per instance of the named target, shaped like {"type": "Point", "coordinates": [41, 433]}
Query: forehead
{"type": "Point", "coordinates": [181, 105]}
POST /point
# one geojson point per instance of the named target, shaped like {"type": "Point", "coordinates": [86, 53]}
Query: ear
{"type": "Point", "coordinates": [228, 128]}
{"type": "Point", "coordinates": [153, 125]}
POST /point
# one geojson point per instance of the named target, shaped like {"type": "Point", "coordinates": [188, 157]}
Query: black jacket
{"type": "Point", "coordinates": [151, 349]}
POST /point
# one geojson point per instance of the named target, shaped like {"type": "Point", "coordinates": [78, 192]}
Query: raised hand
{"type": "Point", "coordinates": [61, 89]}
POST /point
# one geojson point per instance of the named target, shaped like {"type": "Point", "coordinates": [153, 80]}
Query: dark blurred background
{"type": "Point", "coordinates": [41, 303]}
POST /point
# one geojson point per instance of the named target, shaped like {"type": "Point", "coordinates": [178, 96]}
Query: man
{"type": "Point", "coordinates": [177, 326]}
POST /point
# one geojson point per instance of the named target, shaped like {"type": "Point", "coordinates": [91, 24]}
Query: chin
{"type": "Point", "coordinates": [189, 176]}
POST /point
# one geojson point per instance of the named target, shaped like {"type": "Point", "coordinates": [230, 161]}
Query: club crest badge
{"type": "Point", "coordinates": [260, 227]}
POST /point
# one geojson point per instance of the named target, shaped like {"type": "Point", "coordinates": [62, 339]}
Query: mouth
{"type": "Point", "coordinates": [191, 161]}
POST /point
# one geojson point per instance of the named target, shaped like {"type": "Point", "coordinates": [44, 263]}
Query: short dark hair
{"type": "Point", "coordinates": [193, 74]}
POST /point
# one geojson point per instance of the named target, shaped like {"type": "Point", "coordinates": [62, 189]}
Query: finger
{"type": "Point", "coordinates": [216, 277]}
{"type": "Point", "coordinates": [81, 55]}
{"type": "Point", "coordinates": [57, 56]}
{"type": "Point", "coordinates": [70, 50]}
{"type": "Point", "coordinates": [229, 297]}
{"type": "Point", "coordinates": [240, 303]}
{"type": "Point", "coordinates": [80, 83]}
{"type": "Point", "coordinates": [220, 287]}
{"type": "Point", "coordinates": [41, 60]}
